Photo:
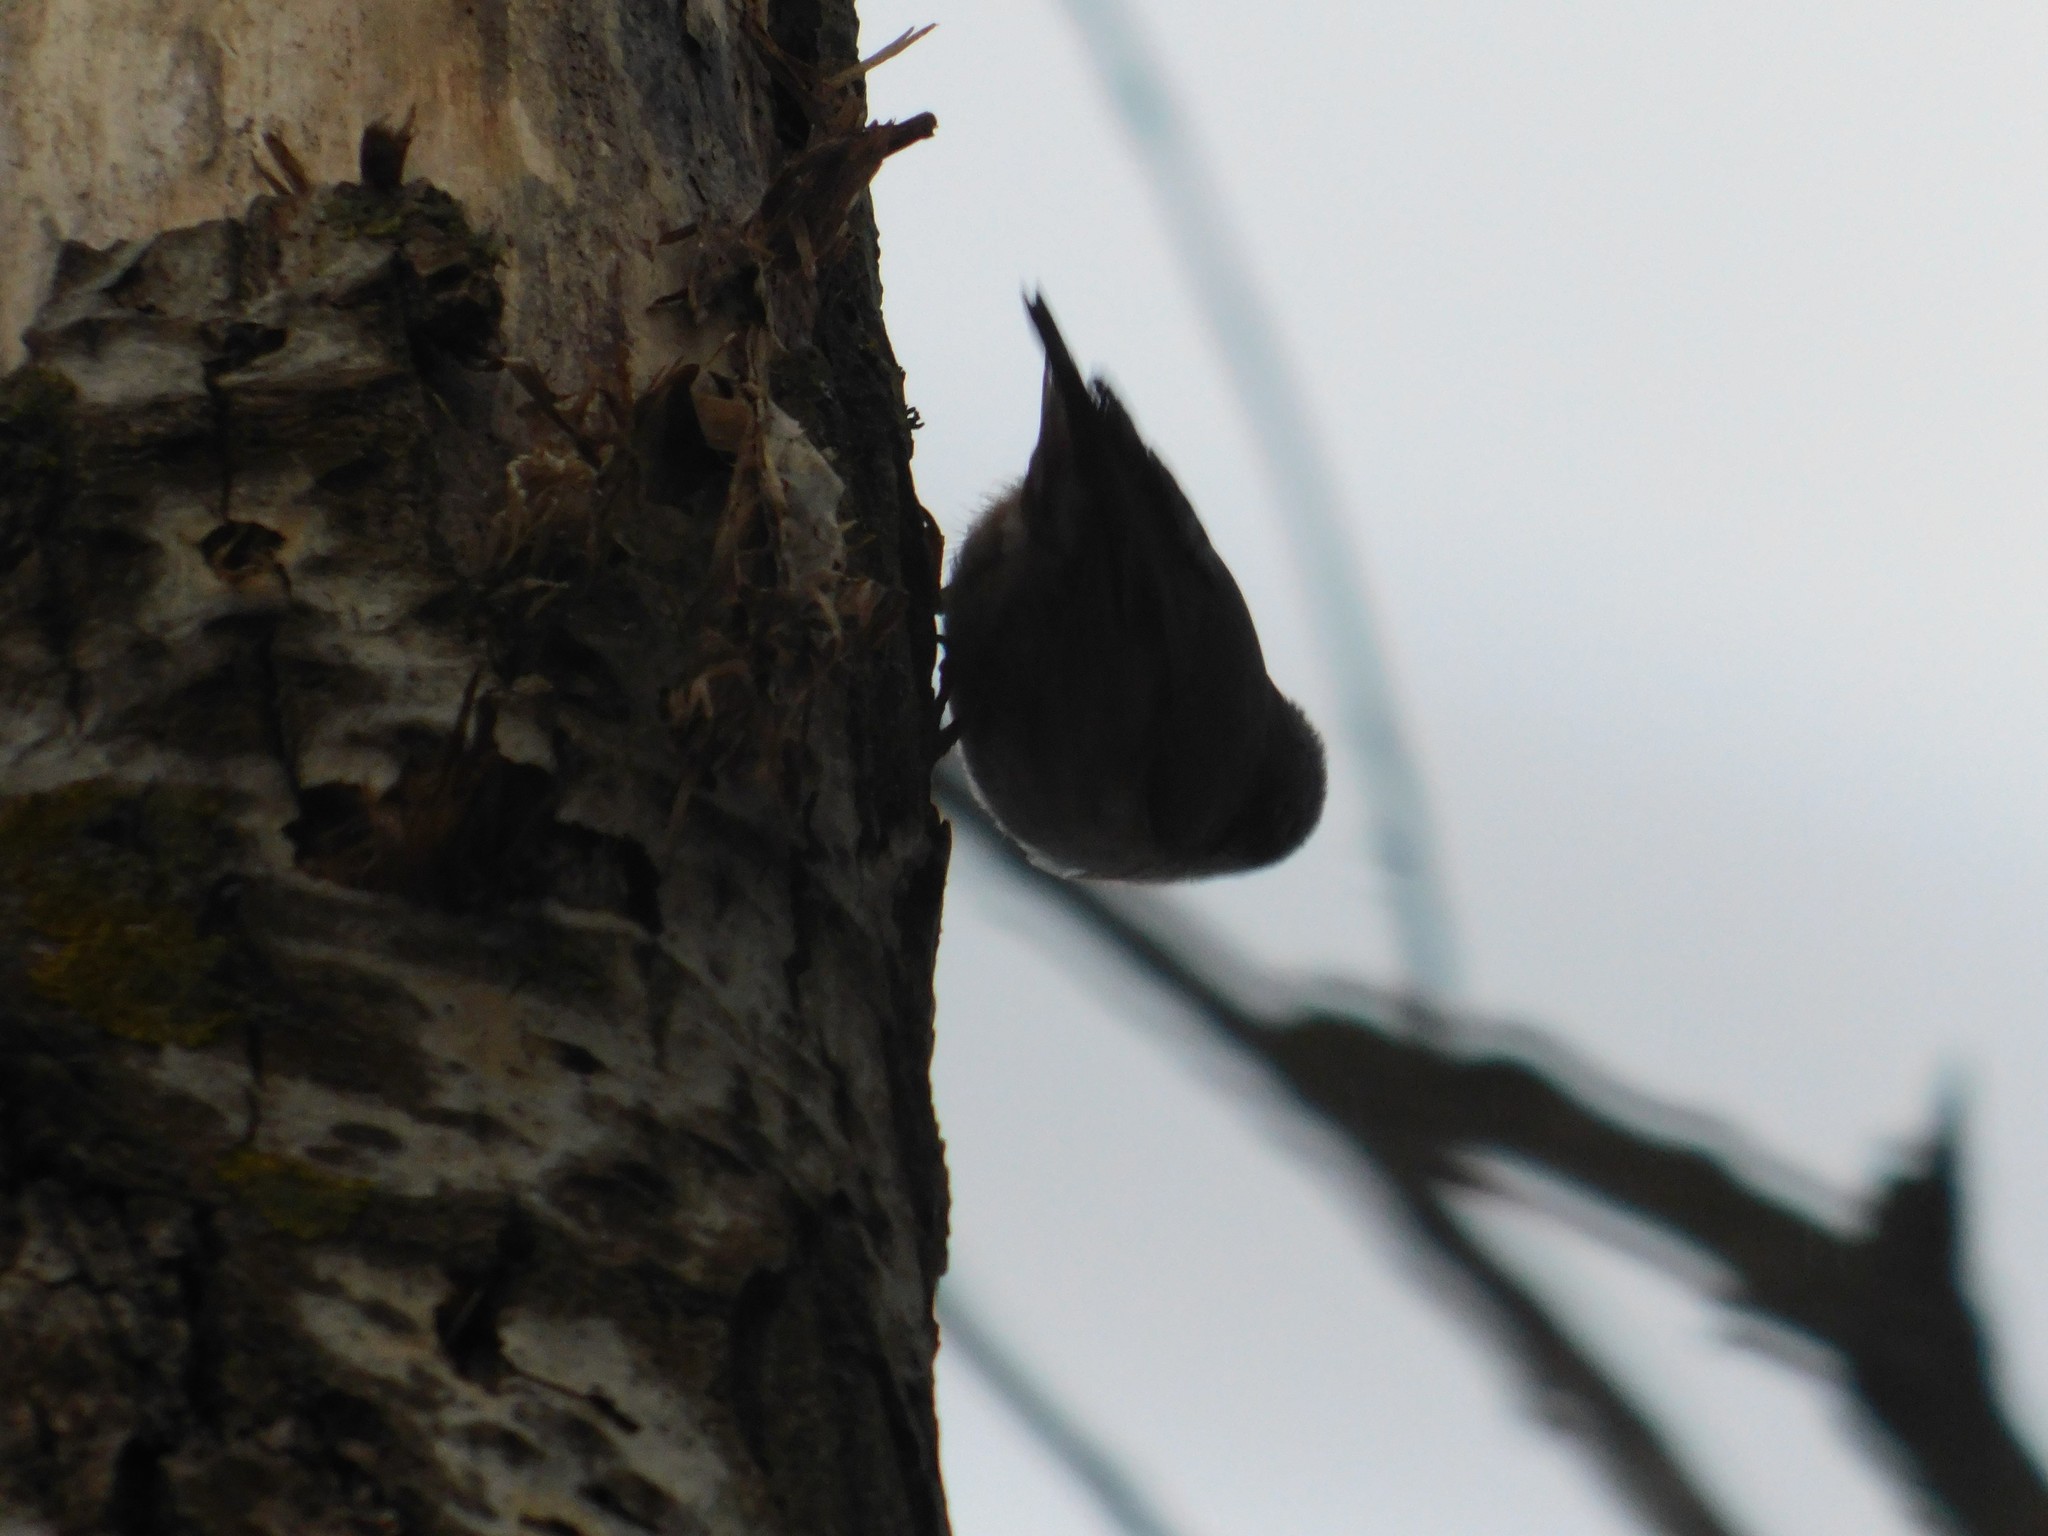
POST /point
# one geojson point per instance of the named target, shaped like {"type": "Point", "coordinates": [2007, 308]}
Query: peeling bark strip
{"type": "Point", "coordinates": [468, 887]}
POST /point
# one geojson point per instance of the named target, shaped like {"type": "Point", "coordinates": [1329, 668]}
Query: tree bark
{"type": "Point", "coordinates": [468, 881]}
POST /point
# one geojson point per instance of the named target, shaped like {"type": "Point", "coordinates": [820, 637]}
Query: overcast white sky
{"type": "Point", "coordinates": [1685, 368]}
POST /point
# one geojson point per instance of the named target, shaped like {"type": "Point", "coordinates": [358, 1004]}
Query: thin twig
{"type": "Point", "coordinates": [880, 56]}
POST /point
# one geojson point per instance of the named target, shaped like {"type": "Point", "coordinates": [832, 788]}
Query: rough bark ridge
{"type": "Point", "coordinates": [468, 886]}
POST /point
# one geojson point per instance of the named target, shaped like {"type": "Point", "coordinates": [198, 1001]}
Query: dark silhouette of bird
{"type": "Point", "coordinates": [1107, 687]}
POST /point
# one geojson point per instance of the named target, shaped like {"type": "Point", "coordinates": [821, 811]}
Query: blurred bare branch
{"type": "Point", "coordinates": [1085, 1459]}
{"type": "Point", "coordinates": [1422, 1095]}
{"type": "Point", "coordinates": [1573, 1393]}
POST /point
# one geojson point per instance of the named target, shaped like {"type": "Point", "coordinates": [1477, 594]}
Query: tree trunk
{"type": "Point", "coordinates": [468, 883]}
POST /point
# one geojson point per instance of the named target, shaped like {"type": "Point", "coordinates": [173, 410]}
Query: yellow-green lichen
{"type": "Point", "coordinates": [412, 211]}
{"type": "Point", "coordinates": [35, 828]}
{"type": "Point", "coordinates": [136, 970]}
{"type": "Point", "coordinates": [293, 1196]}
{"type": "Point", "coordinates": [111, 922]}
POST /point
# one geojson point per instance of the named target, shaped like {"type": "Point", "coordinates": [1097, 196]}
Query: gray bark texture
{"type": "Point", "coordinates": [468, 880]}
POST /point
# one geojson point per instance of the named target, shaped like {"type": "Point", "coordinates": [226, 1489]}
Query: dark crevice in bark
{"type": "Point", "coordinates": [269, 690]}
{"type": "Point", "coordinates": [239, 551]}
{"type": "Point", "coordinates": [236, 549]}
{"type": "Point", "coordinates": [677, 467]}
{"type": "Point", "coordinates": [575, 1058]}
{"type": "Point", "coordinates": [467, 1322]}
{"type": "Point", "coordinates": [631, 1499]}
{"type": "Point", "coordinates": [462, 828]}
{"type": "Point", "coordinates": [206, 1344]}
{"type": "Point", "coordinates": [138, 1503]}
{"type": "Point", "coordinates": [612, 1413]}
{"type": "Point", "coordinates": [907, 1057]}
{"type": "Point", "coordinates": [797, 894]}
{"type": "Point", "coordinates": [42, 1479]}
{"type": "Point", "coordinates": [748, 1330]}
{"type": "Point", "coordinates": [794, 26]}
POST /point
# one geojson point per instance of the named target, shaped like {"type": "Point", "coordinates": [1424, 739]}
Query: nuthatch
{"type": "Point", "coordinates": [1106, 681]}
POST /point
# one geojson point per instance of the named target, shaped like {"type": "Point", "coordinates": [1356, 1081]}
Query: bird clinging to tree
{"type": "Point", "coordinates": [1106, 681]}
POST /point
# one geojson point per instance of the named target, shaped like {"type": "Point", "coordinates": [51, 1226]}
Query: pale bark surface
{"type": "Point", "coordinates": [576, 130]}
{"type": "Point", "coordinates": [468, 884]}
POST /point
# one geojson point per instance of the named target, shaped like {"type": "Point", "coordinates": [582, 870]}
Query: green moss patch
{"type": "Point", "coordinates": [107, 883]}
{"type": "Point", "coordinates": [292, 1196]}
{"type": "Point", "coordinates": [134, 970]}
{"type": "Point", "coordinates": [35, 409]}
{"type": "Point", "coordinates": [35, 433]}
{"type": "Point", "coordinates": [453, 302]}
